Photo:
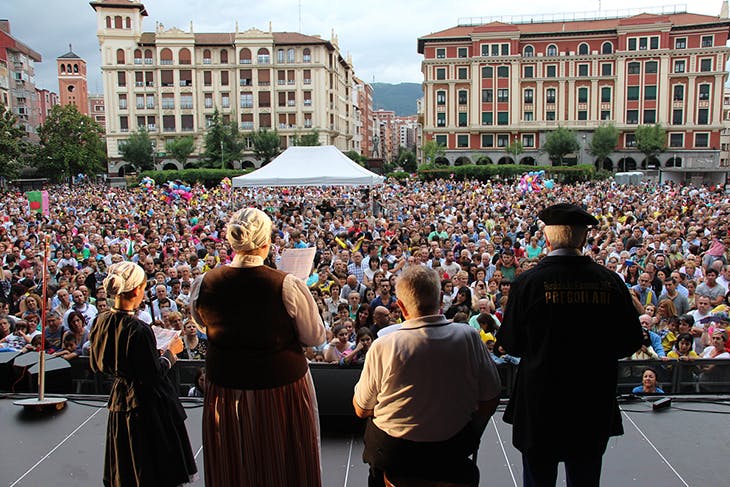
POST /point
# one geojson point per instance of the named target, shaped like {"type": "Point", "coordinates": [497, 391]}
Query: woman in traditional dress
{"type": "Point", "coordinates": [147, 443]}
{"type": "Point", "coordinates": [260, 423]}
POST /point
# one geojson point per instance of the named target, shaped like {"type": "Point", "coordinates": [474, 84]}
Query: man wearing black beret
{"type": "Point", "coordinates": [544, 323]}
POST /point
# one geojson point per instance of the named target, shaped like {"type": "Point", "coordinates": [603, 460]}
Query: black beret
{"type": "Point", "coordinates": [566, 214]}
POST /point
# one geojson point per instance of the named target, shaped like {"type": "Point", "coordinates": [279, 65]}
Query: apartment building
{"type": "Point", "coordinates": [171, 81]}
{"type": "Point", "coordinates": [96, 109]}
{"type": "Point", "coordinates": [18, 91]}
{"type": "Point", "coordinates": [490, 83]}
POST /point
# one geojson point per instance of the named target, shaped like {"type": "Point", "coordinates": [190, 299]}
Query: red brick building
{"type": "Point", "coordinates": [72, 86]}
{"type": "Point", "coordinates": [490, 84]}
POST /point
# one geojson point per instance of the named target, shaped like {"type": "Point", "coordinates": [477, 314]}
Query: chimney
{"type": "Point", "coordinates": [5, 26]}
{"type": "Point", "coordinates": [724, 10]}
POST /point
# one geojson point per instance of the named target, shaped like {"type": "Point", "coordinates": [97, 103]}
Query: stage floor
{"type": "Point", "coordinates": [686, 445]}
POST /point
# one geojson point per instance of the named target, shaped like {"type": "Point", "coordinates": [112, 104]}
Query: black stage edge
{"type": "Point", "coordinates": [680, 446]}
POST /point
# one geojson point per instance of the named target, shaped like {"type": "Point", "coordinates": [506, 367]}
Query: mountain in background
{"type": "Point", "coordinates": [400, 98]}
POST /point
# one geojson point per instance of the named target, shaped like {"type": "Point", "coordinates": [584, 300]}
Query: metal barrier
{"type": "Point", "coordinates": [335, 384]}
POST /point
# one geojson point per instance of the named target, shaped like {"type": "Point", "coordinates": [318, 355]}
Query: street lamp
{"type": "Point", "coordinates": [223, 164]}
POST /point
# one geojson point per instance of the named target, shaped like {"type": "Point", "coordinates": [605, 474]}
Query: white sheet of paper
{"type": "Point", "coordinates": [163, 336]}
{"type": "Point", "coordinates": [298, 262]}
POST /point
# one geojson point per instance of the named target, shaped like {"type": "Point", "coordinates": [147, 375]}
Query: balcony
{"type": "Point", "coordinates": [244, 61]}
{"type": "Point", "coordinates": [207, 61]}
{"type": "Point", "coordinates": [186, 106]}
{"type": "Point", "coordinates": [246, 104]}
{"type": "Point", "coordinates": [138, 60]}
{"type": "Point", "coordinates": [186, 82]}
{"type": "Point", "coordinates": [148, 60]}
{"type": "Point", "coordinates": [166, 62]}
{"type": "Point", "coordinates": [307, 81]}
{"type": "Point", "coordinates": [245, 82]}
{"type": "Point", "coordinates": [168, 129]}
{"type": "Point", "coordinates": [307, 103]}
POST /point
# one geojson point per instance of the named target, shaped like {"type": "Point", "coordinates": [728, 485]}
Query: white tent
{"type": "Point", "coordinates": [310, 166]}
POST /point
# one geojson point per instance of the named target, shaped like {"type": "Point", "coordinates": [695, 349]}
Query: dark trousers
{"type": "Point", "coordinates": [437, 460]}
{"type": "Point", "coordinates": [540, 468]}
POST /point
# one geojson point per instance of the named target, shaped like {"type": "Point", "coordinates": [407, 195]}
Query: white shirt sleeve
{"type": "Point", "coordinates": [300, 305]}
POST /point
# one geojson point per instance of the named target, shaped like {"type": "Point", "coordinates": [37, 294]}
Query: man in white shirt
{"type": "Point", "coordinates": [410, 433]}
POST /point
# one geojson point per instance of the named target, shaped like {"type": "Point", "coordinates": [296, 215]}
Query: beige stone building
{"type": "Point", "coordinates": [170, 81]}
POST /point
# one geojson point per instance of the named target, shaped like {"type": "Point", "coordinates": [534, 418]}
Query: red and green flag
{"type": "Point", "coordinates": [38, 202]}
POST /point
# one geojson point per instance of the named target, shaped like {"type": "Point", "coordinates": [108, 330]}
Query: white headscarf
{"type": "Point", "coordinates": [248, 229]}
{"type": "Point", "coordinates": [123, 277]}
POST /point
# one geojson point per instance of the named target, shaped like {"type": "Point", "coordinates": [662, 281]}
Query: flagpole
{"type": "Point", "coordinates": [43, 403]}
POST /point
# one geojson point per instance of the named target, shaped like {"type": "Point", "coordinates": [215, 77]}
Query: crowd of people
{"type": "Point", "coordinates": [670, 244]}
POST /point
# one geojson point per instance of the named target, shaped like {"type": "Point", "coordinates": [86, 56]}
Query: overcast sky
{"type": "Point", "coordinates": [380, 35]}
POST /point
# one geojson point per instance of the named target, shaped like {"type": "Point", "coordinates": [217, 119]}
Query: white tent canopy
{"type": "Point", "coordinates": [310, 166]}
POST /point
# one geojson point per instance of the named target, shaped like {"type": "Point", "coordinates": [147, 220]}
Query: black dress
{"type": "Point", "coordinates": [147, 443]}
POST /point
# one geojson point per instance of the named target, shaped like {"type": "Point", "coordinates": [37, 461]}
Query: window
{"type": "Point", "coordinates": [551, 71]}
{"type": "Point", "coordinates": [504, 49]}
{"type": "Point", "coordinates": [307, 55]}
{"type": "Point", "coordinates": [550, 115]}
{"type": "Point", "coordinates": [706, 65]}
{"type": "Point", "coordinates": [502, 140]}
{"type": "Point", "coordinates": [463, 97]}
{"type": "Point", "coordinates": [441, 98]}
{"type": "Point", "coordinates": [677, 116]}
{"type": "Point", "coordinates": [441, 119]}
{"type": "Point", "coordinates": [487, 95]}
{"type": "Point", "coordinates": [529, 72]}
{"type": "Point", "coordinates": [120, 56]}
{"type": "Point", "coordinates": [280, 55]}
{"type": "Point", "coordinates": [607, 48]}
{"type": "Point", "coordinates": [263, 57]}
{"type": "Point", "coordinates": [678, 92]}
{"type": "Point", "coordinates": [121, 79]}
{"type": "Point", "coordinates": [529, 95]}
{"type": "Point", "coordinates": [463, 73]}
{"type": "Point", "coordinates": [441, 140]}
{"type": "Point", "coordinates": [168, 101]}
{"type": "Point", "coordinates": [487, 140]}
{"type": "Point", "coordinates": [632, 93]}
{"type": "Point", "coordinates": [702, 140]}
{"type": "Point", "coordinates": [630, 140]}
{"type": "Point", "coordinates": [225, 100]}
{"type": "Point", "coordinates": [706, 41]}
{"type": "Point", "coordinates": [186, 100]}
{"type": "Point", "coordinates": [246, 100]}
{"type": "Point", "coordinates": [208, 100]}
{"type": "Point", "coordinates": [122, 102]}
{"type": "Point", "coordinates": [528, 140]}
{"type": "Point", "coordinates": [583, 70]}
{"type": "Point", "coordinates": [184, 56]}
{"type": "Point", "coordinates": [502, 95]}
{"type": "Point", "coordinates": [529, 51]}
{"type": "Point", "coordinates": [676, 140]}
{"type": "Point", "coordinates": [166, 78]}
{"type": "Point", "coordinates": [124, 124]}
{"type": "Point", "coordinates": [550, 95]}
{"type": "Point", "coordinates": [605, 94]}
{"type": "Point", "coordinates": [632, 116]}
{"type": "Point", "coordinates": [582, 115]}
{"type": "Point", "coordinates": [679, 66]}
{"type": "Point", "coordinates": [634, 68]}
{"type": "Point", "coordinates": [290, 55]}
{"type": "Point", "coordinates": [650, 92]}
{"type": "Point", "coordinates": [606, 69]}
{"type": "Point", "coordinates": [583, 95]}
{"type": "Point", "coordinates": [654, 42]}
{"type": "Point", "coordinates": [605, 114]}
{"type": "Point", "coordinates": [649, 116]}
{"type": "Point", "coordinates": [503, 72]}
{"type": "Point", "coordinates": [495, 49]}
{"type": "Point", "coordinates": [440, 53]}
{"type": "Point", "coordinates": [703, 116]}
{"type": "Point", "coordinates": [583, 49]}
{"type": "Point", "coordinates": [552, 50]}
{"type": "Point", "coordinates": [462, 52]}
{"type": "Point", "coordinates": [704, 92]}
{"type": "Point", "coordinates": [462, 140]}
{"type": "Point", "coordinates": [150, 101]}
{"type": "Point", "coordinates": [651, 67]}
{"type": "Point", "coordinates": [528, 116]}
{"type": "Point", "coordinates": [487, 72]}
{"type": "Point", "coordinates": [487, 118]}
{"type": "Point", "coordinates": [207, 78]}
{"type": "Point", "coordinates": [463, 120]}
{"type": "Point", "coordinates": [502, 118]}
{"type": "Point", "coordinates": [440, 73]}
{"type": "Point", "coordinates": [680, 43]}
{"type": "Point", "coordinates": [224, 78]}
{"type": "Point", "coordinates": [140, 102]}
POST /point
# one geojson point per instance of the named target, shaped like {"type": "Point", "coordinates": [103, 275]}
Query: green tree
{"type": "Point", "coordinates": [406, 159]}
{"type": "Point", "coordinates": [138, 151]}
{"type": "Point", "coordinates": [13, 147]}
{"type": "Point", "coordinates": [70, 143]}
{"type": "Point", "coordinates": [604, 142]}
{"type": "Point", "coordinates": [223, 142]}
{"type": "Point", "coordinates": [651, 140]}
{"type": "Point", "coordinates": [181, 148]}
{"type": "Point", "coordinates": [266, 145]}
{"type": "Point", "coordinates": [310, 139]}
{"type": "Point", "coordinates": [559, 143]}
{"type": "Point", "coordinates": [432, 151]}
{"type": "Point", "coordinates": [515, 148]}
{"type": "Point", "coordinates": [357, 157]}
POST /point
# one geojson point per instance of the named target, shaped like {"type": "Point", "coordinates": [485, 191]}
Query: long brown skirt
{"type": "Point", "coordinates": [262, 438]}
